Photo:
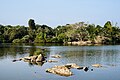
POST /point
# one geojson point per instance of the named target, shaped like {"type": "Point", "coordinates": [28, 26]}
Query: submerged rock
{"type": "Point", "coordinates": [20, 59]}
{"type": "Point", "coordinates": [60, 70]}
{"type": "Point", "coordinates": [16, 60]}
{"type": "Point", "coordinates": [85, 69]}
{"type": "Point", "coordinates": [97, 65]}
{"type": "Point", "coordinates": [73, 65]}
{"type": "Point", "coordinates": [56, 56]}
{"type": "Point", "coordinates": [52, 61]}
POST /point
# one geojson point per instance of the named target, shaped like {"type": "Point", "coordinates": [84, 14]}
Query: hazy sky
{"type": "Point", "coordinates": [59, 12]}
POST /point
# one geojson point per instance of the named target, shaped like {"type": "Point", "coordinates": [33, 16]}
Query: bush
{"type": "Point", "coordinates": [16, 41]}
{"type": "Point", "coordinates": [25, 39]}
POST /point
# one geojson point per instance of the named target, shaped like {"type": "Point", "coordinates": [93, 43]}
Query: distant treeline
{"type": "Point", "coordinates": [35, 33]}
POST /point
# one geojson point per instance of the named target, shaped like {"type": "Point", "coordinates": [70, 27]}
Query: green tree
{"type": "Point", "coordinates": [91, 30]}
{"type": "Point", "coordinates": [99, 31]}
{"type": "Point", "coordinates": [82, 33]}
{"type": "Point", "coordinates": [108, 28]}
{"type": "Point", "coordinates": [40, 37]}
{"type": "Point", "coordinates": [25, 39]}
{"type": "Point", "coordinates": [62, 37]}
{"type": "Point", "coordinates": [31, 24]}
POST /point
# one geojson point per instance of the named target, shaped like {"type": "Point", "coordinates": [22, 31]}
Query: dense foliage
{"type": "Point", "coordinates": [35, 33]}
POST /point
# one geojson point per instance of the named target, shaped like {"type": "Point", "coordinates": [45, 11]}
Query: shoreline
{"type": "Point", "coordinates": [83, 43]}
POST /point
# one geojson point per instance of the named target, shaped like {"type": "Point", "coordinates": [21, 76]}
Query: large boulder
{"type": "Point", "coordinates": [40, 58]}
{"type": "Point", "coordinates": [33, 58]}
{"type": "Point", "coordinates": [60, 70]}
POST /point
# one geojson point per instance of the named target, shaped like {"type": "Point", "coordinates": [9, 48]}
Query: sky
{"type": "Point", "coordinates": [59, 12]}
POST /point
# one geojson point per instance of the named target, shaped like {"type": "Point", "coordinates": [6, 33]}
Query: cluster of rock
{"type": "Point", "coordinates": [35, 58]}
{"type": "Point", "coordinates": [64, 70]}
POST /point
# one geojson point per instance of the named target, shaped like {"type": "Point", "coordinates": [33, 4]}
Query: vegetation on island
{"type": "Point", "coordinates": [35, 33]}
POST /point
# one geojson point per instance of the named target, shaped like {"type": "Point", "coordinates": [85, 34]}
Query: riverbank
{"type": "Point", "coordinates": [99, 40]}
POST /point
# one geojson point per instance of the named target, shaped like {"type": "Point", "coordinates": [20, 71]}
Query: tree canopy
{"type": "Point", "coordinates": [107, 34]}
{"type": "Point", "coordinates": [31, 24]}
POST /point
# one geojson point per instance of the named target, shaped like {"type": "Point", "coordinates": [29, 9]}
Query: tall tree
{"type": "Point", "coordinates": [108, 28]}
{"type": "Point", "coordinates": [31, 24]}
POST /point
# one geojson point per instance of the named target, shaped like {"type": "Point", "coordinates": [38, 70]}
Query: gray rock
{"type": "Point", "coordinates": [33, 58]}
{"type": "Point", "coordinates": [27, 58]}
{"type": "Point", "coordinates": [40, 58]}
{"type": "Point", "coordinates": [52, 61]}
{"type": "Point", "coordinates": [56, 56]}
{"type": "Point", "coordinates": [97, 65]}
{"type": "Point", "coordinates": [73, 65]}
{"type": "Point", "coordinates": [60, 70]}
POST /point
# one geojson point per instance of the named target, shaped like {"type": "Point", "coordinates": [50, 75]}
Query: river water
{"type": "Point", "coordinates": [108, 56]}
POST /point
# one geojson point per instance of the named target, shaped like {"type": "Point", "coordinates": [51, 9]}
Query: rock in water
{"type": "Point", "coordinates": [27, 58]}
{"type": "Point", "coordinates": [85, 69]}
{"type": "Point", "coordinates": [33, 58]}
{"type": "Point", "coordinates": [56, 56]}
{"type": "Point", "coordinates": [40, 63]}
{"type": "Point", "coordinates": [52, 61]}
{"type": "Point", "coordinates": [14, 60]}
{"type": "Point", "coordinates": [73, 65]}
{"type": "Point", "coordinates": [60, 70]}
{"type": "Point", "coordinates": [97, 65]}
{"type": "Point", "coordinates": [40, 58]}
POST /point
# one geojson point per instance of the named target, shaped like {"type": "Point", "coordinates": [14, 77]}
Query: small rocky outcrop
{"type": "Point", "coordinates": [60, 70]}
{"type": "Point", "coordinates": [85, 69]}
{"type": "Point", "coordinates": [40, 58]}
{"type": "Point", "coordinates": [64, 70]}
{"type": "Point", "coordinates": [56, 56]}
{"type": "Point", "coordinates": [33, 58]}
{"type": "Point", "coordinates": [36, 58]}
{"type": "Point", "coordinates": [73, 65]}
{"type": "Point", "coordinates": [52, 61]}
{"type": "Point", "coordinates": [17, 60]}
{"type": "Point", "coordinates": [97, 65]}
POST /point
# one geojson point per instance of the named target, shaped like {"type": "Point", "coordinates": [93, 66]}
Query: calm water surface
{"type": "Point", "coordinates": [108, 56]}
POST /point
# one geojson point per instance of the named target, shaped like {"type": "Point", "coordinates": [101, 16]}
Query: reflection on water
{"type": "Point", "coordinates": [88, 55]}
{"type": "Point", "coordinates": [36, 63]}
{"type": "Point", "coordinates": [91, 57]}
{"type": "Point", "coordinates": [81, 55]}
